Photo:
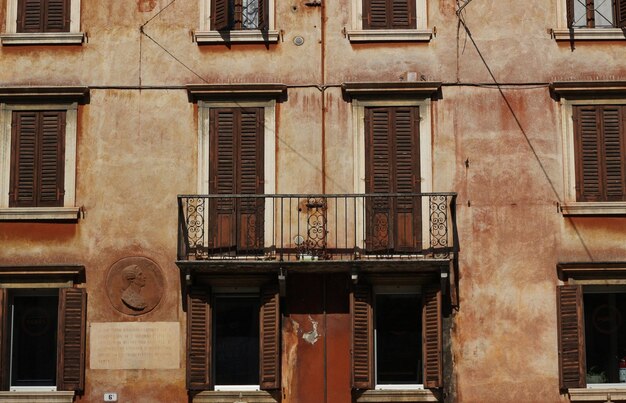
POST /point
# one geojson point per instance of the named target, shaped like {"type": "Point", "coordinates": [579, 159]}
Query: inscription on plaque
{"type": "Point", "coordinates": [138, 345]}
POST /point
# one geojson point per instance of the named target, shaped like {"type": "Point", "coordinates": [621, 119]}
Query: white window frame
{"type": "Point", "coordinates": [570, 206]}
{"type": "Point", "coordinates": [269, 144]}
{"type": "Point", "coordinates": [68, 211]}
{"type": "Point", "coordinates": [563, 33]}
{"type": "Point", "coordinates": [12, 37]}
{"type": "Point", "coordinates": [359, 157]}
{"type": "Point", "coordinates": [421, 33]}
{"type": "Point", "coordinates": [204, 34]}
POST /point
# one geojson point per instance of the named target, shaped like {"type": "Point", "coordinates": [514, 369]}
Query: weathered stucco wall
{"type": "Point", "coordinates": [138, 148]}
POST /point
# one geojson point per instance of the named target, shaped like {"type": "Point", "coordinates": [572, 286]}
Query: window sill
{"type": "Point", "coordinates": [589, 34]}
{"type": "Point", "coordinates": [597, 394]}
{"type": "Point", "coordinates": [596, 208]}
{"type": "Point", "coordinates": [233, 397]}
{"type": "Point", "coordinates": [44, 38]}
{"type": "Point", "coordinates": [37, 397]}
{"type": "Point", "coordinates": [204, 37]}
{"type": "Point", "coordinates": [390, 35]}
{"type": "Point", "coordinates": [39, 213]}
{"type": "Point", "coordinates": [424, 395]}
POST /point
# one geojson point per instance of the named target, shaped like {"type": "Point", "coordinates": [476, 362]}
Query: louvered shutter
{"type": "Point", "coordinates": [613, 152]}
{"type": "Point", "coordinates": [56, 16]}
{"type": "Point", "coordinates": [220, 15]}
{"type": "Point", "coordinates": [263, 14]}
{"type": "Point", "coordinates": [43, 16]}
{"type": "Point", "coordinates": [376, 14]}
{"type": "Point", "coordinates": [71, 339]}
{"type": "Point", "coordinates": [250, 178]}
{"type": "Point", "coordinates": [198, 339]}
{"type": "Point", "coordinates": [30, 16]}
{"type": "Point", "coordinates": [24, 159]}
{"type": "Point", "coordinates": [270, 338]}
{"type": "Point", "coordinates": [432, 337]}
{"type": "Point", "coordinates": [389, 14]}
{"type": "Point", "coordinates": [50, 187]}
{"type": "Point", "coordinates": [4, 339]}
{"type": "Point", "coordinates": [362, 337]}
{"type": "Point", "coordinates": [569, 5]}
{"type": "Point", "coordinates": [620, 6]}
{"type": "Point", "coordinates": [403, 14]}
{"type": "Point", "coordinates": [571, 337]}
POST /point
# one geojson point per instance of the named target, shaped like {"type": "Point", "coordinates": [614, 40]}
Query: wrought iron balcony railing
{"type": "Point", "coordinates": [293, 227]}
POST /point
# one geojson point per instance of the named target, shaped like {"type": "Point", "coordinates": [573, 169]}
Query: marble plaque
{"type": "Point", "coordinates": [134, 345]}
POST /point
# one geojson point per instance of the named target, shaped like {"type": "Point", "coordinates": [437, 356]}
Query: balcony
{"type": "Point", "coordinates": [316, 228]}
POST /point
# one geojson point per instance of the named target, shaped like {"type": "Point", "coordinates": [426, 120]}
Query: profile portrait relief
{"type": "Point", "coordinates": [134, 285]}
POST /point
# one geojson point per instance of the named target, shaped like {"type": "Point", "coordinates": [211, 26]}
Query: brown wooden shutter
{"type": "Point", "coordinates": [376, 14]}
{"type": "Point", "coordinates": [620, 10]}
{"type": "Point", "coordinates": [43, 16]}
{"type": "Point", "coordinates": [569, 5]}
{"type": "Point", "coordinates": [220, 15]}
{"type": "Point", "coordinates": [432, 337]}
{"type": "Point", "coordinates": [613, 152]}
{"type": "Point", "coordinates": [30, 16]}
{"type": "Point", "coordinates": [57, 16]}
{"type": "Point", "coordinates": [362, 337]}
{"type": "Point", "coordinates": [198, 340]}
{"type": "Point", "coordinates": [403, 14]}
{"type": "Point", "coordinates": [389, 14]}
{"type": "Point", "coordinates": [71, 339]}
{"type": "Point", "coordinates": [269, 367]}
{"type": "Point", "coordinates": [263, 14]}
{"type": "Point", "coordinates": [393, 166]}
{"type": "Point", "coordinates": [38, 159]}
{"type": "Point", "coordinates": [570, 312]}
{"type": "Point", "coordinates": [4, 339]}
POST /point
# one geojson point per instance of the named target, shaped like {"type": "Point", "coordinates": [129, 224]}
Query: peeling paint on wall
{"type": "Point", "coordinates": [312, 336]}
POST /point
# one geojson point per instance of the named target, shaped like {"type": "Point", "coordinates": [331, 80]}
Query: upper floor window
{"type": "Point", "coordinates": [590, 20]}
{"type": "Point", "coordinates": [236, 21]}
{"type": "Point", "coordinates": [42, 22]}
{"type": "Point", "coordinates": [389, 20]}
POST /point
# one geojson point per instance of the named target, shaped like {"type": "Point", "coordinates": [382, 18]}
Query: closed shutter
{"type": "Point", "coordinates": [38, 159]}
{"type": "Point", "coordinates": [71, 339]}
{"type": "Point", "coordinates": [620, 19]}
{"type": "Point", "coordinates": [220, 15]}
{"type": "Point", "coordinates": [389, 14]}
{"type": "Point", "coordinates": [4, 339]}
{"type": "Point", "coordinates": [600, 139]}
{"type": "Point", "coordinates": [236, 167]}
{"type": "Point", "coordinates": [362, 335]}
{"type": "Point", "coordinates": [432, 337]}
{"type": "Point", "coordinates": [571, 337]}
{"type": "Point", "coordinates": [198, 340]}
{"type": "Point", "coordinates": [392, 149]}
{"type": "Point", "coordinates": [43, 16]}
{"type": "Point", "coordinates": [270, 338]}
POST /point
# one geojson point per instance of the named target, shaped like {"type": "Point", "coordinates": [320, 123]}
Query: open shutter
{"type": "Point", "coordinates": [403, 14]}
{"type": "Point", "coordinates": [270, 338]}
{"type": "Point", "coordinates": [220, 14]}
{"type": "Point", "coordinates": [250, 178]}
{"type": "Point", "coordinates": [620, 9]}
{"type": "Point", "coordinates": [613, 152]}
{"type": "Point", "coordinates": [569, 5]}
{"type": "Point", "coordinates": [56, 16]}
{"type": "Point", "coordinates": [589, 184]}
{"type": "Point", "coordinates": [24, 159]}
{"type": "Point", "coordinates": [51, 159]}
{"type": "Point", "coordinates": [71, 339]}
{"type": "Point", "coordinates": [30, 16]}
{"type": "Point", "coordinates": [4, 339]}
{"type": "Point", "coordinates": [198, 339]}
{"type": "Point", "coordinates": [432, 344]}
{"type": "Point", "coordinates": [264, 15]}
{"type": "Point", "coordinates": [571, 337]}
{"type": "Point", "coordinates": [362, 337]}
{"type": "Point", "coordinates": [406, 174]}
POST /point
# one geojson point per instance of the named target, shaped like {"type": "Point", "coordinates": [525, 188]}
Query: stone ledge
{"type": "Point", "coordinates": [595, 208]}
{"type": "Point", "coordinates": [597, 394]}
{"type": "Point", "coordinates": [206, 37]}
{"type": "Point", "coordinates": [391, 396]}
{"type": "Point", "coordinates": [589, 34]}
{"type": "Point", "coordinates": [390, 35]}
{"type": "Point", "coordinates": [234, 397]}
{"type": "Point", "coordinates": [36, 397]}
{"type": "Point", "coordinates": [39, 213]}
{"type": "Point", "coordinates": [43, 38]}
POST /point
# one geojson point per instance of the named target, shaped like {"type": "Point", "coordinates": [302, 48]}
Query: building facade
{"type": "Point", "coordinates": [312, 201]}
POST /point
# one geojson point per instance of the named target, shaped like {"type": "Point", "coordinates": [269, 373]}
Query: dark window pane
{"type": "Point", "coordinates": [236, 340]}
{"type": "Point", "coordinates": [34, 352]}
{"type": "Point", "coordinates": [398, 338]}
{"type": "Point", "coordinates": [605, 335]}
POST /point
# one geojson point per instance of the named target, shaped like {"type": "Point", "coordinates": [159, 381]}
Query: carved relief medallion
{"type": "Point", "coordinates": [134, 285]}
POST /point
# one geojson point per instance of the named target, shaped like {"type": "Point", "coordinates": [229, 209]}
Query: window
{"type": "Point", "coordinates": [236, 21]}
{"type": "Point", "coordinates": [233, 338]}
{"type": "Point", "coordinates": [389, 20]}
{"type": "Point", "coordinates": [42, 22]}
{"type": "Point", "coordinates": [43, 339]}
{"type": "Point", "coordinates": [590, 20]}
{"type": "Point", "coordinates": [396, 337]}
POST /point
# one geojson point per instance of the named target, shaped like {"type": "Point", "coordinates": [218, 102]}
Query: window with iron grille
{"type": "Point", "coordinates": [596, 13]}
{"type": "Point", "coordinates": [239, 15]}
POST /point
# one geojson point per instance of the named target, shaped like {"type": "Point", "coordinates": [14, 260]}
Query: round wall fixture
{"type": "Point", "coordinates": [298, 40]}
